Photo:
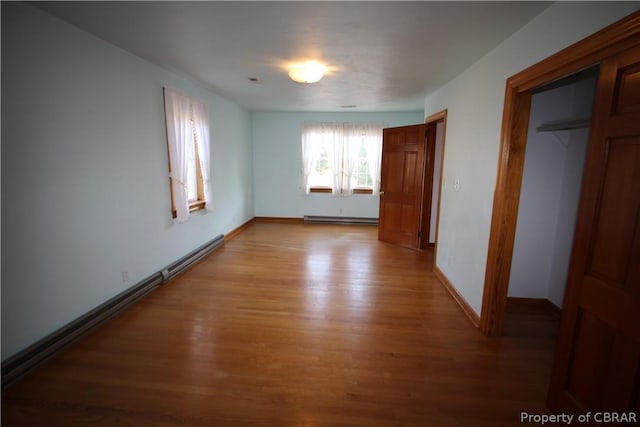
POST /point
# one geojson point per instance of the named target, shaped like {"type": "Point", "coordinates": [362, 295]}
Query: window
{"type": "Point", "coordinates": [321, 144]}
{"type": "Point", "coordinates": [341, 159]}
{"type": "Point", "coordinates": [187, 121]}
{"type": "Point", "coordinates": [363, 148]}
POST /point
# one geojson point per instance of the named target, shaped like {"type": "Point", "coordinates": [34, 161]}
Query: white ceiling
{"type": "Point", "coordinates": [385, 56]}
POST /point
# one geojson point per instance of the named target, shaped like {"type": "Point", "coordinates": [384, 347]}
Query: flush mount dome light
{"type": "Point", "coordinates": [307, 72]}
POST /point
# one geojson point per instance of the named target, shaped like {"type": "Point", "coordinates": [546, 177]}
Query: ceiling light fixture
{"type": "Point", "coordinates": [307, 72]}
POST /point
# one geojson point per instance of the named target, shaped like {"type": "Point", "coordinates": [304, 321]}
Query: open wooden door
{"type": "Point", "coordinates": [597, 364]}
{"type": "Point", "coordinates": [402, 185]}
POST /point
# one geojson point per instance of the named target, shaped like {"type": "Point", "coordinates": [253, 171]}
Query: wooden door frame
{"type": "Point", "coordinates": [588, 52]}
{"type": "Point", "coordinates": [432, 122]}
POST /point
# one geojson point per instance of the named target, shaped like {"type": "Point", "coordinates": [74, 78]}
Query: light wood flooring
{"type": "Point", "coordinates": [295, 325]}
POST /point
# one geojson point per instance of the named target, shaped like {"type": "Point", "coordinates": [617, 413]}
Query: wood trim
{"type": "Point", "coordinates": [199, 177]}
{"type": "Point", "coordinates": [328, 190]}
{"type": "Point", "coordinates": [505, 211]}
{"type": "Point", "coordinates": [174, 213]}
{"type": "Point", "coordinates": [585, 53]}
{"type": "Point", "coordinates": [541, 303]}
{"type": "Point", "coordinates": [611, 40]}
{"type": "Point", "coordinates": [439, 116]}
{"type": "Point", "coordinates": [233, 233]}
{"type": "Point", "coordinates": [277, 219]}
{"type": "Point", "coordinates": [321, 190]}
{"type": "Point", "coordinates": [427, 191]}
{"type": "Point", "coordinates": [362, 191]}
{"type": "Point", "coordinates": [464, 305]}
{"type": "Point", "coordinates": [195, 206]}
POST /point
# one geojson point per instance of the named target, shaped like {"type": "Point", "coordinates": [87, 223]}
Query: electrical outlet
{"type": "Point", "coordinates": [125, 276]}
{"type": "Point", "coordinates": [456, 185]}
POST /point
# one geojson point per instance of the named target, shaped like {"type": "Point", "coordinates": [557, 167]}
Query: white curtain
{"type": "Point", "coordinates": [308, 156]}
{"type": "Point", "coordinates": [333, 132]}
{"type": "Point", "coordinates": [314, 136]}
{"type": "Point", "coordinates": [201, 131]}
{"type": "Point", "coordinates": [356, 134]}
{"type": "Point", "coordinates": [179, 131]}
{"type": "Point", "coordinates": [343, 142]}
{"type": "Point", "coordinates": [353, 137]}
{"type": "Point", "coordinates": [374, 154]}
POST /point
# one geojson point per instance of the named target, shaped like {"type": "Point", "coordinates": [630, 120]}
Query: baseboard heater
{"type": "Point", "coordinates": [339, 220]}
{"type": "Point", "coordinates": [22, 363]}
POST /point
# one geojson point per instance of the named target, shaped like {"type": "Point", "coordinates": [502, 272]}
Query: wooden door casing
{"type": "Point", "coordinates": [597, 364]}
{"type": "Point", "coordinates": [402, 185]}
{"type": "Point", "coordinates": [429, 179]}
{"type": "Point", "coordinates": [592, 50]}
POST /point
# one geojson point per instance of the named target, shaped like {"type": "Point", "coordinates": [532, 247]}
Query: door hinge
{"type": "Point", "coordinates": [419, 233]}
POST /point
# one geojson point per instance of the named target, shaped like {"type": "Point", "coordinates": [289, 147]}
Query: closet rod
{"type": "Point", "coordinates": [565, 125]}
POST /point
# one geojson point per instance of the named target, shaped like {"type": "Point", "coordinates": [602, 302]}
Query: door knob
{"type": "Point", "coordinates": [382, 192]}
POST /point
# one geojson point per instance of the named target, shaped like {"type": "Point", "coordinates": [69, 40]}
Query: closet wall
{"type": "Point", "coordinates": [552, 179]}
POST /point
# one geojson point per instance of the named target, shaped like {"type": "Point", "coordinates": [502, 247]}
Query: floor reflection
{"type": "Point", "coordinates": [318, 272]}
{"type": "Point", "coordinates": [351, 296]}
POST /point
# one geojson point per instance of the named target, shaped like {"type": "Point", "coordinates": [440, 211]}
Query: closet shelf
{"type": "Point", "coordinates": [565, 125]}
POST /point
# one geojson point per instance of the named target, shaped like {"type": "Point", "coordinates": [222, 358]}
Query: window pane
{"type": "Point", "coordinates": [321, 171]}
{"type": "Point", "coordinates": [362, 176]}
{"type": "Point", "coordinates": [192, 173]}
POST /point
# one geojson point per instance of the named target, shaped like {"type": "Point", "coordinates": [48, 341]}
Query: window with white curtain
{"type": "Point", "coordinates": [187, 121]}
{"type": "Point", "coordinates": [341, 158]}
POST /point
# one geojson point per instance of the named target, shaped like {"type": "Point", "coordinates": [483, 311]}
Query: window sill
{"type": "Point", "coordinates": [196, 206]}
{"type": "Point", "coordinates": [193, 207]}
{"type": "Point", "coordinates": [328, 190]}
{"type": "Point", "coordinates": [362, 191]}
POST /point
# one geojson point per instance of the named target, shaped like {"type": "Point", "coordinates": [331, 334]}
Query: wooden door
{"type": "Point", "coordinates": [402, 184]}
{"type": "Point", "coordinates": [597, 364]}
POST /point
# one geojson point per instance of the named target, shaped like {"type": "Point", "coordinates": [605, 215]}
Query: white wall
{"type": "Point", "coordinates": [567, 211]}
{"type": "Point", "coordinates": [551, 183]}
{"type": "Point", "coordinates": [277, 161]}
{"type": "Point", "coordinates": [84, 171]}
{"type": "Point", "coordinates": [475, 101]}
{"type": "Point", "coordinates": [576, 152]}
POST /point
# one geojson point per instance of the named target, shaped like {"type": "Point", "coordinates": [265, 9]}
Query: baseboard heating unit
{"type": "Point", "coordinates": [339, 220]}
{"type": "Point", "coordinates": [28, 359]}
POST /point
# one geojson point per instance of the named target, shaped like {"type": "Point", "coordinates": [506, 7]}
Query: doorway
{"type": "Point", "coordinates": [436, 128]}
{"type": "Point", "coordinates": [518, 95]}
{"type": "Point", "coordinates": [557, 140]}
{"type": "Point", "coordinates": [411, 176]}
{"type": "Point", "coordinates": [597, 359]}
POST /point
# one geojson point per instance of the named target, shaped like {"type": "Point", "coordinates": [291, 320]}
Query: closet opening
{"type": "Point", "coordinates": [556, 147]}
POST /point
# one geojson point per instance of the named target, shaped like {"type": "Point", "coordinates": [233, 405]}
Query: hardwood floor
{"type": "Point", "coordinates": [294, 325]}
